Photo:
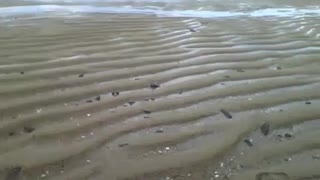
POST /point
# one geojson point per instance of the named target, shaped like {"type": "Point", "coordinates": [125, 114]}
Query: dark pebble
{"type": "Point", "coordinates": [98, 98]}
{"type": "Point", "coordinates": [192, 30]}
{"type": "Point", "coordinates": [131, 103]}
{"type": "Point", "coordinates": [248, 142]}
{"type": "Point", "coordinates": [21, 72]}
{"type": "Point", "coordinates": [159, 131]}
{"type": "Point", "coordinates": [28, 129]}
{"type": "Point", "coordinates": [308, 102]}
{"type": "Point", "coordinates": [81, 75]}
{"type": "Point", "coordinates": [278, 67]}
{"type": "Point", "coordinates": [287, 135]}
{"type": "Point", "coordinates": [154, 86]}
{"type": "Point", "coordinates": [280, 136]}
{"type": "Point", "coordinates": [272, 176]}
{"type": "Point", "coordinates": [281, 110]}
{"type": "Point", "coordinates": [227, 76]}
{"type": "Point", "coordinates": [11, 133]}
{"type": "Point", "coordinates": [147, 112]}
{"type": "Point", "coordinates": [14, 173]}
{"type": "Point", "coordinates": [265, 128]}
{"type": "Point", "coordinates": [226, 114]}
{"type": "Point", "coordinates": [89, 101]}
{"type": "Point", "coordinates": [115, 93]}
{"type": "Point", "coordinates": [123, 145]}
{"type": "Point", "coordinates": [180, 92]}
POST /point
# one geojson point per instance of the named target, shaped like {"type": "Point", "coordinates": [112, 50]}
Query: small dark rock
{"type": "Point", "coordinates": [278, 67]}
{"type": "Point", "coordinates": [280, 136]}
{"type": "Point", "coordinates": [21, 72]}
{"type": "Point", "coordinates": [98, 98]}
{"type": "Point", "coordinates": [28, 129]}
{"type": "Point", "coordinates": [154, 86]}
{"type": "Point", "coordinates": [192, 30]}
{"type": "Point", "coordinates": [14, 173]}
{"type": "Point", "coordinates": [147, 112]}
{"type": "Point", "coordinates": [249, 142]}
{"type": "Point", "coordinates": [123, 145]}
{"type": "Point", "coordinates": [81, 75]}
{"type": "Point", "coordinates": [115, 93]}
{"type": "Point", "coordinates": [11, 133]}
{"type": "Point", "coordinates": [281, 110]}
{"type": "Point", "coordinates": [89, 101]}
{"type": "Point", "coordinates": [287, 159]}
{"type": "Point", "coordinates": [272, 176]}
{"type": "Point", "coordinates": [226, 114]}
{"type": "Point", "coordinates": [131, 103]}
{"type": "Point", "coordinates": [287, 135]}
{"type": "Point", "coordinates": [265, 128]}
{"type": "Point", "coordinates": [159, 131]}
{"type": "Point", "coordinates": [180, 92]}
{"type": "Point", "coordinates": [227, 76]}
{"type": "Point", "coordinates": [308, 102]}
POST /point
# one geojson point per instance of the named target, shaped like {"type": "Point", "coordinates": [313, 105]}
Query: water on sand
{"type": "Point", "coordinates": [159, 90]}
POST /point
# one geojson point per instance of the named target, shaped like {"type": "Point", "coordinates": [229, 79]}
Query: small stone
{"type": "Point", "coordinates": [317, 156]}
{"type": "Point", "coordinates": [123, 145]}
{"type": "Point", "coordinates": [88, 115]}
{"type": "Point", "coordinates": [159, 131]}
{"type": "Point", "coordinates": [227, 76]}
{"type": "Point", "coordinates": [287, 135]}
{"type": "Point", "coordinates": [81, 75]}
{"type": "Point", "coordinates": [21, 72]}
{"type": "Point", "coordinates": [83, 137]}
{"type": "Point", "coordinates": [308, 102]}
{"type": "Point", "coordinates": [272, 175]}
{"type": "Point", "coordinates": [281, 110]}
{"type": "Point", "coordinates": [192, 30]}
{"type": "Point", "coordinates": [14, 173]}
{"type": "Point", "coordinates": [131, 103]}
{"type": "Point", "coordinates": [88, 161]}
{"type": "Point", "coordinates": [167, 148]}
{"type": "Point", "coordinates": [265, 128]}
{"type": "Point", "coordinates": [28, 129]}
{"type": "Point", "coordinates": [115, 93]}
{"type": "Point", "coordinates": [278, 68]}
{"type": "Point", "coordinates": [43, 175]}
{"type": "Point", "coordinates": [240, 70]}
{"type": "Point", "coordinates": [188, 174]}
{"type": "Point", "coordinates": [216, 176]}
{"type": "Point", "coordinates": [226, 114]}
{"type": "Point", "coordinates": [89, 101]}
{"type": "Point", "coordinates": [39, 110]}
{"type": "Point", "coordinates": [91, 133]}
{"type": "Point", "coordinates": [249, 142]}
{"type": "Point", "coordinates": [287, 159]}
{"type": "Point", "coordinates": [154, 86]}
{"type": "Point", "coordinates": [11, 133]}
{"type": "Point", "coordinates": [147, 112]}
{"type": "Point", "coordinates": [180, 92]}
{"type": "Point", "coordinates": [98, 98]}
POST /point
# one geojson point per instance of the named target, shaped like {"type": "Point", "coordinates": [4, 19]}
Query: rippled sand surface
{"type": "Point", "coordinates": [140, 97]}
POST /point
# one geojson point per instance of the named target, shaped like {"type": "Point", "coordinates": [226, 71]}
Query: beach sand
{"type": "Point", "coordinates": [140, 97]}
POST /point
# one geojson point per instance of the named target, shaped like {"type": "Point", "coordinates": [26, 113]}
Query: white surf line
{"type": "Point", "coordinates": [75, 9]}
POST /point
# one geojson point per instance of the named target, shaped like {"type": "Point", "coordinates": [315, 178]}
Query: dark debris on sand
{"type": "Point", "coordinates": [11, 133]}
{"type": "Point", "coordinates": [159, 131]}
{"type": "Point", "coordinates": [89, 101]}
{"type": "Point", "coordinates": [249, 142]}
{"type": "Point", "coordinates": [28, 129]}
{"type": "Point", "coordinates": [98, 98]}
{"type": "Point", "coordinates": [81, 75]}
{"type": "Point", "coordinates": [123, 145]}
{"type": "Point", "coordinates": [308, 102]}
{"type": "Point", "coordinates": [131, 103]}
{"type": "Point", "coordinates": [226, 114]}
{"type": "Point", "coordinates": [154, 86]}
{"type": "Point", "coordinates": [14, 173]}
{"type": "Point", "coordinates": [147, 112]}
{"type": "Point", "coordinates": [265, 128]}
{"type": "Point", "coordinates": [21, 72]}
{"type": "Point", "coordinates": [192, 30]}
{"type": "Point", "coordinates": [115, 93]}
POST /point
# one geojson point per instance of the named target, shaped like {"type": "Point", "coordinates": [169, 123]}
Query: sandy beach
{"type": "Point", "coordinates": [143, 97]}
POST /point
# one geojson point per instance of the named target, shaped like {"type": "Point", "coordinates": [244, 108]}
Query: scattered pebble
{"type": "Point", "coordinates": [249, 142]}
{"type": "Point", "coordinates": [180, 92]}
{"type": "Point", "coordinates": [287, 135]}
{"type": "Point", "coordinates": [192, 30]}
{"type": "Point", "coordinates": [83, 137]}
{"type": "Point", "coordinates": [115, 93]}
{"type": "Point", "coordinates": [11, 133]}
{"type": "Point", "coordinates": [88, 161]}
{"type": "Point", "coordinates": [226, 114]}
{"type": "Point", "coordinates": [98, 98]}
{"type": "Point", "coordinates": [278, 68]}
{"type": "Point", "coordinates": [308, 102]}
{"type": "Point", "coordinates": [154, 86]}
{"type": "Point", "coordinates": [147, 112]}
{"type": "Point", "coordinates": [28, 129]}
{"type": "Point", "coordinates": [21, 72]}
{"type": "Point", "coordinates": [123, 145]}
{"type": "Point", "coordinates": [88, 115]}
{"type": "Point", "coordinates": [272, 175]}
{"type": "Point", "coordinates": [227, 76]}
{"type": "Point", "coordinates": [91, 133]}
{"type": "Point", "coordinates": [43, 175]}
{"type": "Point", "coordinates": [14, 173]}
{"type": "Point", "coordinates": [167, 148]}
{"type": "Point", "coordinates": [39, 110]}
{"type": "Point", "coordinates": [265, 128]}
{"type": "Point", "coordinates": [81, 75]}
{"type": "Point", "coordinates": [159, 131]}
{"type": "Point", "coordinates": [89, 101]}
{"type": "Point", "coordinates": [188, 174]}
{"type": "Point", "coordinates": [281, 110]}
{"type": "Point", "coordinates": [131, 103]}
{"type": "Point", "coordinates": [287, 159]}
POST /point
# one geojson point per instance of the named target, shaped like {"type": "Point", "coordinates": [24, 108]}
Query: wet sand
{"type": "Point", "coordinates": [139, 97]}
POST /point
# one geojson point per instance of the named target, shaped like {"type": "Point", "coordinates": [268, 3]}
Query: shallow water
{"type": "Point", "coordinates": [159, 90]}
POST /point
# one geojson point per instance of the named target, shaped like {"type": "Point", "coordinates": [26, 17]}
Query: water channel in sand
{"type": "Point", "coordinates": [159, 90]}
